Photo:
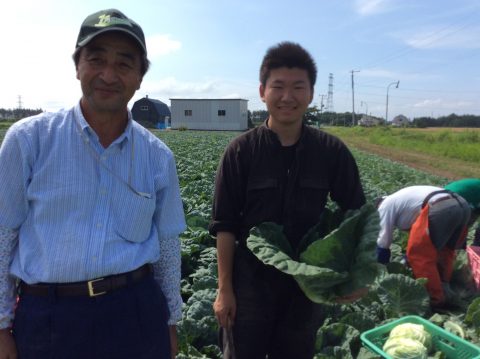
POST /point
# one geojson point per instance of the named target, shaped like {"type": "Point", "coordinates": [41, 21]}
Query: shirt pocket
{"type": "Point", "coordinates": [312, 195]}
{"type": "Point", "coordinates": [133, 217]}
{"type": "Point", "coordinates": [263, 198]}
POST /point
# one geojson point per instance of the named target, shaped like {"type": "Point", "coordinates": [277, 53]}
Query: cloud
{"type": "Point", "coordinates": [440, 103]}
{"type": "Point", "coordinates": [174, 87]}
{"type": "Point", "coordinates": [428, 103]}
{"type": "Point", "coordinates": [161, 44]}
{"type": "Point", "coordinates": [393, 76]}
{"type": "Point", "coordinates": [444, 38]}
{"type": "Point", "coordinates": [379, 73]}
{"type": "Point", "coordinates": [371, 7]}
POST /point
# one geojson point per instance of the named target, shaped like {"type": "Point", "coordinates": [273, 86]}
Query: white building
{"type": "Point", "coordinates": [368, 121]}
{"type": "Point", "coordinates": [209, 114]}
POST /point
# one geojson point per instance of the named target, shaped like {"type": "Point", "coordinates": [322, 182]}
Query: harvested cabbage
{"type": "Point", "coordinates": [413, 331]}
{"type": "Point", "coordinates": [454, 328]}
{"type": "Point", "coordinates": [405, 348]}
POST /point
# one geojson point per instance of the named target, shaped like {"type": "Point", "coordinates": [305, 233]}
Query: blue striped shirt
{"type": "Point", "coordinates": [71, 210]}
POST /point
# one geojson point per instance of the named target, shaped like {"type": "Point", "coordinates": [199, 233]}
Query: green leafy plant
{"type": "Point", "coordinates": [330, 266]}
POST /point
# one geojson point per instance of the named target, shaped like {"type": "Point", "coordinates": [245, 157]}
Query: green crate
{"type": "Point", "coordinates": [449, 344]}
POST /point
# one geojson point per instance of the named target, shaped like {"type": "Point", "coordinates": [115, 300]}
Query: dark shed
{"type": "Point", "coordinates": [151, 113]}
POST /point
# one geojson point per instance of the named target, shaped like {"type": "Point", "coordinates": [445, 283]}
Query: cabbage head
{"type": "Point", "coordinates": [412, 331]}
{"type": "Point", "coordinates": [405, 348]}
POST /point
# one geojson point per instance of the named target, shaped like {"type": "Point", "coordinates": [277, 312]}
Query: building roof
{"type": "Point", "coordinates": [161, 107]}
{"type": "Point", "coordinates": [400, 118]}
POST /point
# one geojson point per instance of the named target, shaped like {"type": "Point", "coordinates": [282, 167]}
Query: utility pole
{"type": "Point", "coordinates": [330, 93]}
{"type": "Point", "coordinates": [17, 113]}
{"type": "Point", "coordinates": [353, 98]}
{"type": "Point", "coordinates": [386, 107]}
{"type": "Point", "coordinates": [321, 108]}
{"type": "Point", "coordinates": [321, 103]}
{"type": "Point", "coordinates": [366, 105]}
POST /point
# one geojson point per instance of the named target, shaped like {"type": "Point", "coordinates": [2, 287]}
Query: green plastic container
{"type": "Point", "coordinates": [449, 344]}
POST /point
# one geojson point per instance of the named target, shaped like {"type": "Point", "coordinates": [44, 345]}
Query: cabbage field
{"type": "Point", "coordinates": [395, 295]}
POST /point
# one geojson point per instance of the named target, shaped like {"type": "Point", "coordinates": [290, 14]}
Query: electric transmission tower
{"type": "Point", "coordinates": [19, 102]}
{"type": "Point", "coordinates": [329, 107]}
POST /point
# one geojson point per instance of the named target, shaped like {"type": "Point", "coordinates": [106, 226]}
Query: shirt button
{"type": "Point", "coordinates": [99, 225]}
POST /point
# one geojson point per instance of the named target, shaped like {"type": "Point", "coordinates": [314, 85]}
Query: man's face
{"type": "Point", "coordinates": [287, 94]}
{"type": "Point", "coordinates": [109, 70]}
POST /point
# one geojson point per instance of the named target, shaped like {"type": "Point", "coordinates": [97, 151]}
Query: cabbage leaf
{"type": "Point", "coordinates": [330, 266]}
{"type": "Point", "coordinates": [402, 295]}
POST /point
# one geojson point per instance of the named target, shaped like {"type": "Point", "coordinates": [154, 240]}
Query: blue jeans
{"type": "Point", "coordinates": [130, 322]}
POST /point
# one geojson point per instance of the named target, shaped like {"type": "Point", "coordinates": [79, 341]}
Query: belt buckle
{"type": "Point", "coordinates": [91, 291]}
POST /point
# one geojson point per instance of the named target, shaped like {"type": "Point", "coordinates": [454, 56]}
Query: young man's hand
{"type": "Point", "coordinates": [8, 349]}
{"type": "Point", "coordinates": [225, 307]}
{"type": "Point", "coordinates": [173, 340]}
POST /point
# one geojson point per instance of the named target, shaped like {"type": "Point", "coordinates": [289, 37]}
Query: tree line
{"type": "Point", "coordinates": [314, 116]}
{"type": "Point", "coordinates": [451, 120]}
{"type": "Point", "coordinates": [17, 113]}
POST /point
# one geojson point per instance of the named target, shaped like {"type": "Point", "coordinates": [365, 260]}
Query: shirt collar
{"type": "Point", "coordinates": [271, 133]}
{"type": "Point", "coordinates": [82, 124]}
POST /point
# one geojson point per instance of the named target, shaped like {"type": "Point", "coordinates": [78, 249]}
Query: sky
{"type": "Point", "coordinates": [213, 49]}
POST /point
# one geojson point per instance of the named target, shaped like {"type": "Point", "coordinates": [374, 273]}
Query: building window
{"type": "Point", "coordinates": [221, 112]}
{"type": "Point", "coordinates": [143, 108]}
{"type": "Point", "coordinates": [188, 112]}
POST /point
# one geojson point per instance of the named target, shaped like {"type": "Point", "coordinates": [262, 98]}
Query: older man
{"type": "Point", "coordinates": [90, 215]}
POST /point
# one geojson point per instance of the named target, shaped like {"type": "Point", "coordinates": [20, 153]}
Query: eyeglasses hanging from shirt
{"type": "Point", "coordinates": [96, 156]}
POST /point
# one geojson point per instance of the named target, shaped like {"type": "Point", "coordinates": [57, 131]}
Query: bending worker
{"type": "Point", "coordinates": [437, 220]}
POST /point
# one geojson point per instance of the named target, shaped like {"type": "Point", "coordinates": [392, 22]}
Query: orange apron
{"type": "Point", "coordinates": [426, 261]}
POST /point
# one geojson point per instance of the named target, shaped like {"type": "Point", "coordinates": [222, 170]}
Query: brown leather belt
{"type": "Point", "coordinates": [89, 288]}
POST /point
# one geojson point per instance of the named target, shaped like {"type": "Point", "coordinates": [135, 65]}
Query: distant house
{"type": "Point", "coordinates": [400, 121]}
{"type": "Point", "coordinates": [210, 114]}
{"type": "Point", "coordinates": [151, 113]}
{"type": "Point", "coordinates": [368, 121]}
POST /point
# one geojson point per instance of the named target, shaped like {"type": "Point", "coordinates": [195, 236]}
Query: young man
{"type": "Point", "coordinates": [282, 171]}
{"type": "Point", "coordinates": [437, 220]}
{"type": "Point", "coordinates": [90, 214]}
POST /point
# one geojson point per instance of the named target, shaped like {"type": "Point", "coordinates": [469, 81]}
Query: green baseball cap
{"type": "Point", "coordinates": [109, 20]}
{"type": "Point", "coordinates": [469, 189]}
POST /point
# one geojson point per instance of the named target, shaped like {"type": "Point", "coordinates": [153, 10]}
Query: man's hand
{"type": "Point", "coordinates": [8, 349]}
{"type": "Point", "coordinates": [352, 297]}
{"type": "Point", "coordinates": [173, 340]}
{"type": "Point", "coordinates": [225, 307]}
{"type": "Point", "coordinates": [383, 255]}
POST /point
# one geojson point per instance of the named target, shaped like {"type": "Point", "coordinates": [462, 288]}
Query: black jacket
{"type": "Point", "coordinates": [252, 187]}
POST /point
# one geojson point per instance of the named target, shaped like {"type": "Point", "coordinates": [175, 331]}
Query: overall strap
{"type": "Point", "coordinates": [430, 195]}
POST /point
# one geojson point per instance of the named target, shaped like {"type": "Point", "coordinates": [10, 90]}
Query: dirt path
{"type": "Point", "coordinates": [440, 166]}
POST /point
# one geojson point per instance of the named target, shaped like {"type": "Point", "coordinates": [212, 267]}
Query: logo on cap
{"type": "Point", "coordinates": [108, 20]}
